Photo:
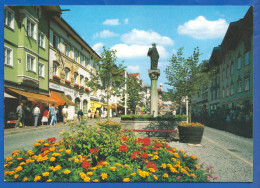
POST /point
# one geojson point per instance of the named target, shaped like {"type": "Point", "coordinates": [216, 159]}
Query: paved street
{"type": "Point", "coordinates": [230, 155]}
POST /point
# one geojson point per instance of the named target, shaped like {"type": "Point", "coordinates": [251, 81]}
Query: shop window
{"type": "Point", "coordinates": [30, 28]}
{"type": "Point", "coordinates": [31, 63]}
{"type": "Point", "coordinates": [41, 40]}
{"type": "Point", "coordinates": [41, 69]}
{"type": "Point", "coordinates": [9, 18]}
{"type": "Point", "coordinates": [67, 72]}
{"type": "Point", "coordinates": [8, 56]}
{"type": "Point", "coordinates": [247, 58]}
{"type": "Point", "coordinates": [247, 84]}
{"type": "Point", "coordinates": [239, 62]}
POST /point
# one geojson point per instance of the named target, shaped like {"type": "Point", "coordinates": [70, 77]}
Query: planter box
{"type": "Point", "coordinates": [191, 135]}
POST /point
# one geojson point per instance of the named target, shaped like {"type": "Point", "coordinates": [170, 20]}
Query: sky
{"type": "Point", "coordinates": [131, 30]}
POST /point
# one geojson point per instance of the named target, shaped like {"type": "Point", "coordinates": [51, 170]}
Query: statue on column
{"type": "Point", "coordinates": [154, 55]}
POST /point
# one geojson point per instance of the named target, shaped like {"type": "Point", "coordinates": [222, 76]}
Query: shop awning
{"type": "Point", "coordinates": [110, 106]}
{"type": "Point", "coordinates": [62, 98]}
{"type": "Point", "coordinates": [6, 95]}
{"type": "Point", "coordinates": [35, 97]}
{"type": "Point", "coordinates": [94, 104]}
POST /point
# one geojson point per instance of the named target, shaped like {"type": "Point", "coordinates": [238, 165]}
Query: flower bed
{"type": "Point", "coordinates": [151, 118]}
{"type": "Point", "coordinates": [103, 154]}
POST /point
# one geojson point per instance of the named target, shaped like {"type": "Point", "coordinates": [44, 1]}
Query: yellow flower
{"type": "Point", "coordinates": [11, 172]}
{"type": "Point", "coordinates": [197, 167]}
{"type": "Point", "coordinates": [163, 165]}
{"type": "Point", "coordinates": [52, 159]}
{"type": "Point", "coordinates": [51, 167]}
{"type": "Point", "coordinates": [181, 151]}
{"type": "Point", "coordinates": [61, 150]}
{"type": "Point", "coordinates": [104, 176]}
{"type": "Point", "coordinates": [18, 169]}
{"type": "Point", "coordinates": [156, 157]}
{"type": "Point", "coordinates": [25, 179]}
{"type": "Point", "coordinates": [90, 173]}
{"type": "Point", "coordinates": [150, 155]}
{"type": "Point", "coordinates": [105, 163]}
{"type": "Point", "coordinates": [173, 170]}
{"type": "Point", "coordinates": [151, 170]}
{"type": "Point", "coordinates": [5, 165]}
{"type": "Point", "coordinates": [58, 167]}
{"type": "Point", "coordinates": [126, 179]}
{"type": "Point", "coordinates": [37, 144]}
{"type": "Point", "coordinates": [193, 176]}
{"type": "Point", "coordinates": [22, 163]}
{"type": "Point", "coordinates": [143, 174]}
{"type": "Point", "coordinates": [46, 144]}
{"type": "Point", "coordinates": [76, 160]}
{"type": "Point", "coordinates": [68, 151]}
{"type": "Point", "coordinates": [155, 153]}
{"type": "Point", "coordinates": [19, 158]}
{"type": "Point", "coordinates": [127, 165]}
{"type": "Point", "coordinates": [87, 179]}
{"type": "Point", "coordinates": [49, 180]}
{"type": "Point", "coordinates": [193, 157]}
{"type": "Point", "coordinates": [37, 178]}
{"type": "Point", "coordinates": [16, 176]}
{"type": "Point", "coordinates": [82, 175]}
{"type": "Point", "coordinates": [165, 175]}
{"type": "Point", "coordinates": [184, 155]}
{"type": "Point", "coordinates": [10, 162]}
{"type": "Point", "coordinates": [67, 172]}
{"type": "Point", "coordinates": [133, 174]}
{"type": "Point", "coordinates": [14, 152]}
{"type": "Point", "coordinates": [56, 154]}
{"type": "Point", "coordinates": [45, 174]}
{"type": "Point", "coordinates": [155, 177]}
{"type": "Point", "coordinates": [30, 152]}
{"type": "Point", "coordinates": [173, 159]}
{"type": "Point", "coordinates": [169, 165]}
{"type": "Point", "coordinates": [94, 168]}
{"type": "Point", "coordinates": [176, 155]}
{"type": "Point", "coordinates": [118, 164]}
{"type": "Point", "coordinates": [40, 141]}
{"type": "Point", "coordinates": [8, 158]}
{"type": "Point", "coordinates": [95, 180]}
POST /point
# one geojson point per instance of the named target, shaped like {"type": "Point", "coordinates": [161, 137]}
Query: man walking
{"type": "Point", "coordinates": [36, 113]}
{"type": "Point", "coordinates": [65, 114]}
{"type": "Point", "coordinates": [52, 113]}
{"type": "Point", "coordinates": [20, 114]}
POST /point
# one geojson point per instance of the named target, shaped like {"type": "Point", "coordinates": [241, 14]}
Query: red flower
{"type": "Point", "coordinates": [124, 138]}
{"type": "Point", "coordinates": [100, 163]}
{"type": "Point", "coordinates": [43, 154]}
{"type": "Point", "coordinates": [138, 140]}
{"type": "Point", "coordinates": [84, 157]}
{"type": "Point", "coordinates": [53, 139]}
{"type": "Point", "coordinates": [166, 146]}
{"type": "Point", "coordinates": [136, 152]}
{"type": "Point", "coordinates": [154, 148]}
{"type": "Point", "coordinates": [123, 148]}
{"type": "Point", "coordinates": [146, 141]}
{"type": "Point", "coordinates": [133, 157]}
{"type": "Point", "coordinates": [157, 145]}
{"type": "Point", "coordinates": [151, 165]}
{"type": "Point", "coordinates": [144, 155]}
{"type": "Point", "coordinates": [44, 148]}
{"type": "Point", "coordinates": [94, 150]}
{"type": "Point", "coordinates": [143, 148]}
{"type": "Point", "coordinates": [85, 165]}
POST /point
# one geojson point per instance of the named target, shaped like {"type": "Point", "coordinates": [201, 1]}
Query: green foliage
{"type": "Point", "coordinates": [151, 118]}
{"type": "Point", "coordinates": [134, 91]}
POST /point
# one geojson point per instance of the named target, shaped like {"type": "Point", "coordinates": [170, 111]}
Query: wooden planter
{"type": "Point", "coordinates": [191, 135]}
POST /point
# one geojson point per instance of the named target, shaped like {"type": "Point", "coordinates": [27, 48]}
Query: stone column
{"type": "Point", "coordinates": [154, 75]}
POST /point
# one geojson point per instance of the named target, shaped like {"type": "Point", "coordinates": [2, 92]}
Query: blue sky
{"type": "Point", "coordinates": [132, 29]}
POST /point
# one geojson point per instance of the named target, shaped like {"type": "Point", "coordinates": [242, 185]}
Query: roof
{"type": "Point", "coordinates": [134, 74]}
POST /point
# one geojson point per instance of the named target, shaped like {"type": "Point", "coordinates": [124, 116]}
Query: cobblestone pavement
{"type": "Point", "coordinates": [230, 155]}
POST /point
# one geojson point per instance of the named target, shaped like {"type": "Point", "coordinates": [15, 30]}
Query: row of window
{"type": "Point", "coordinates": [239, 65]}
{"type": "Point", "coordinates": [69, 51]}
{"type": "Point", "coordinates": [31, 27]}
{"type": "Point", "coordinates": [30, 62]}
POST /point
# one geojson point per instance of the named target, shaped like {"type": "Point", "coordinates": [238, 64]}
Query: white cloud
{"type": "Point", "coordinates": [137, 51]}
{"type": "Point", "coordinates": [133, 69]}
{"type": "Point", "coordinates": [97, 47]}
{"type": "Point", "coordinates": [201, 28]}
{"type": "Point", "coordinates": [126, 21]}
{"type": "Point", "coordinates": [142, 37]}
{"type": "Point", "coordinates": [111, 22]}
{"type": "Point", "coordinates": [105, 34]}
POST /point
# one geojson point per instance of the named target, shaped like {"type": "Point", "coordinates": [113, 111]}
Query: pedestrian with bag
{"type": "Point", "coordinates": [20, 115]}
{"type": "Point", "coordinates": [36, 113]}
{"type": "Point", "coordinates": [52, 114]}
{"type": "Point", "coordinates": [45, 116]}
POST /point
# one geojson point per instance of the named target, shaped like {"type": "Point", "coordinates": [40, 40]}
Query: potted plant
{"type": "Point", "coordinates": [190, 132]}
{"type": "Point", "coordinates": [56, 78]}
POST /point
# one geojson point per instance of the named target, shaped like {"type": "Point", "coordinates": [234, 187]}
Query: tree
{"type": "Point", "coordinates": [187, 75]}
{"type": "Point", "coordinates": [134, 91]}
{"type": "Point", "coordinates": [107, 76]}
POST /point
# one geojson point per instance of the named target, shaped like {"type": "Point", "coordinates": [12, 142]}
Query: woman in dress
{"type": "Point", "coordinates": [45, 116]}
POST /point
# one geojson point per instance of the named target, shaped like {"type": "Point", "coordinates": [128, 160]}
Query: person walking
{"type": "Point", "coordinates": [20, 114]}
{"type": "Point", "coordinates": [36, 113]}
{"type": "Point", "coordinates": [80, 114]}
{"type": "Point", "coordinates": [65, 114]}
{"type": "Point", "coordinates": [52, 114]}
{"type": "Point", "coordinates": [45, 116]}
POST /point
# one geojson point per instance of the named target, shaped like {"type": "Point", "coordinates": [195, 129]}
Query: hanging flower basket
{"type": "Point", "coordinates": [76, 86]}
{"type": "Point", "coordinates": [191, 132]}
{"type": "Point", "coordinates": [56, 78]}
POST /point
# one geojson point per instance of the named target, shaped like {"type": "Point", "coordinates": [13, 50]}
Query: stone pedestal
{"type": "Point", "coordinates": [154, 75]}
